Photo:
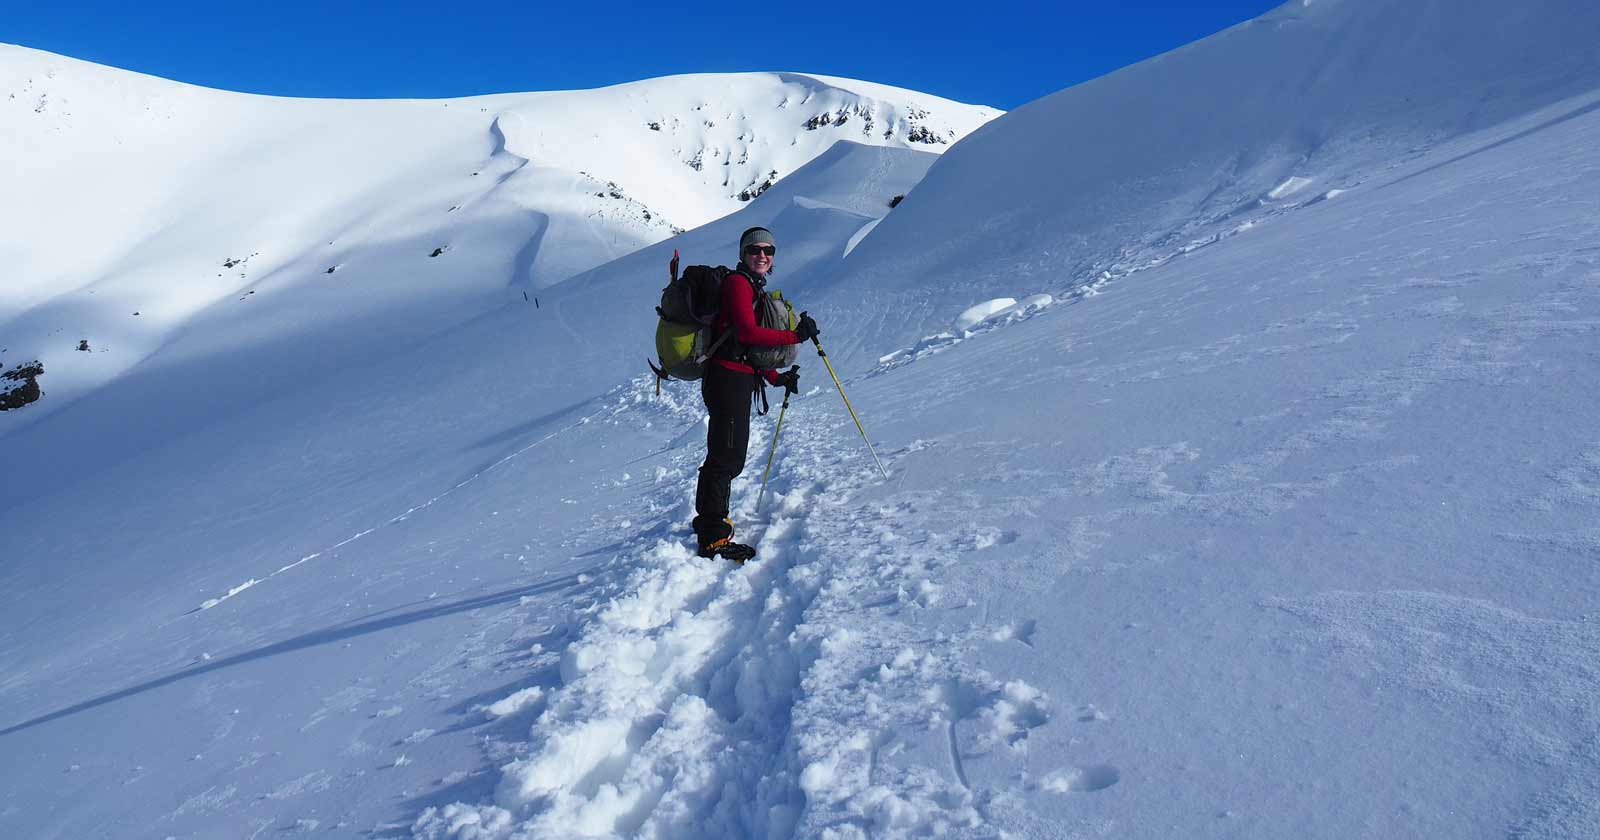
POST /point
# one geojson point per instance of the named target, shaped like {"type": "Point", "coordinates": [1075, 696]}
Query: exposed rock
{"type": "Point", "coordinates": [751, 192]}
{"type": "Point", "coordinates": [840, 117]}
{"type": "Point", "coordinates": [20, 385]}
{"type": "Point", "coordinates": [83, 345]}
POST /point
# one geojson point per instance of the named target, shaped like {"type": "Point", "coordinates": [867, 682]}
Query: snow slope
{"type": "Point", "coordinates": [1106, 178]}
{"type": "Point", "coordinates": [179, 557]}
{"type": "Point", "coordinates": [1282, 530]}
{"type": "Point", "coordinates": [163, 222]}
{"type": "Point", "coordinates": [1288, 538]}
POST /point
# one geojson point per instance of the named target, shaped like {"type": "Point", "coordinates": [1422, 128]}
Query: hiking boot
{"type": "Point", "coordinates": [728, 549]}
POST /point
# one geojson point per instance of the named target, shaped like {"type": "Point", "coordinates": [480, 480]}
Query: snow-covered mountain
{"type": "Point", "coordinates": [1263, 509]}
{"type": "Point", "coordinates": [1309, 102]}
{"type": "Point", "coordinates": [152, 218]}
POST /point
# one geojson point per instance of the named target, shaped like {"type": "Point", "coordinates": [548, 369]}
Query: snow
{"type": "Point", "coordinates": [974, 315]}
{"type": "Point", "coordinates": [1289, 187]}
{"type": "Point", "coordinates": [517, 702]}
{"type": "Point", "coordinates": [216, 216]}
{"type": "Point", "coordinates": [1203, 534]}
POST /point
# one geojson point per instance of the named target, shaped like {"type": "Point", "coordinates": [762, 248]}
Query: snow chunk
{"type": "Point", "coordinates": [516, 702]}
{"type": "Point", "coordinates": [1019, 709]}
{"type": "Point", "coordinates": [1000, 308]}
{"type": "Point", "coordinates": [1081, 779]}
{"type": "Point", "coordinates": [464, 822]}
{"type": "Point", "coordinates": [975, 315]}
{"type": "Point", "coordinates": [211, 602]}
{"type": "Point", "coordinates": [1289, 187]}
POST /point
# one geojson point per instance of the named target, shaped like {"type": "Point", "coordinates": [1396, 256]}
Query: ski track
{"type": "Point", "coordinates": [710, 700]}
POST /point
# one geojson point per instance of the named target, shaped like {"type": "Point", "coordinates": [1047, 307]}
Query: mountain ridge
{"type": "Point", "coordinates": [150, 203]}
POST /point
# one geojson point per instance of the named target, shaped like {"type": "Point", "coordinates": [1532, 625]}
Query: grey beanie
{"type": "Point", "coordinates": [755, 236]}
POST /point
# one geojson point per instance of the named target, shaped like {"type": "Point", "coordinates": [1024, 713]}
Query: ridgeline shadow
{"type": "Point", "coordinates": [1547, 124]}
{"type": "Point", "coordinates": [516, 435]}
{"type": "Point", "coordinates": [336, 633]}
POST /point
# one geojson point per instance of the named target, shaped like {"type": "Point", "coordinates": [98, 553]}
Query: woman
{"type": "Point", "coordinates": [729, 387]}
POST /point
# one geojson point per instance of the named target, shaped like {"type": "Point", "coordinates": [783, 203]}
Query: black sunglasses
{"type": "Point", "coordinates": [769, 250]}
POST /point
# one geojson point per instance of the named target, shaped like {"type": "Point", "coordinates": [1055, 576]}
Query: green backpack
{"type": "Point", "coordinates": [689, 304]}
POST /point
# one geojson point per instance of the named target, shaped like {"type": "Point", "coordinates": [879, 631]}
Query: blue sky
{"type": "Point", "coordinates": [1001, 54]}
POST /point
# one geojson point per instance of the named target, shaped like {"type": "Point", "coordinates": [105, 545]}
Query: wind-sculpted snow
{"type": "Point", "coordinates": [1202, 142]}
{"type": "Point", "coordinates": [974, 321]}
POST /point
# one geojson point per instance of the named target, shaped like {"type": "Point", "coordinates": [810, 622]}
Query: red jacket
{"type": "Point", "coordinates": [738, 312]}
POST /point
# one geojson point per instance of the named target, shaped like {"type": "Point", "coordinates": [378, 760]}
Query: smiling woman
{"type": "Point", "coordinates": [734, 379]}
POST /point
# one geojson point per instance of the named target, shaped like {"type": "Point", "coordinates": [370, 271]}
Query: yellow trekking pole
{"type": "Point", "coordinates": [824, 355]}
{"type": "Point", "coordinates": [774, 451]}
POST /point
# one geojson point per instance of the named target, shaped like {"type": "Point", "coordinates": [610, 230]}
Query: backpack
{"type": "Point", "coordinates": [688, 306]}
{"type": "Point", "coordinates": [773, 312]}
{"type": "Point", "coordinates": [684, 337]}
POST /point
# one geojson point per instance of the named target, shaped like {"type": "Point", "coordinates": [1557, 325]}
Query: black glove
{"type": "Point", "coordinates": [807, 329]}
{"type": "Point", "coordinates": [789, 379]}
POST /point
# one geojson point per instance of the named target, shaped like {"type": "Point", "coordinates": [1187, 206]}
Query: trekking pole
{"type": "Point", "coordinates": [824, 355]}
{"type": "Point", "coordinates": [778, 431]}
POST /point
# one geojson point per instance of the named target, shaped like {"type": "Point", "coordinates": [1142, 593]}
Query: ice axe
{"type": "Point", "coordinates": [672, 275]}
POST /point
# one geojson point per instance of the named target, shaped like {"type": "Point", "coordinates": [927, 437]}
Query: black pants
{"type": "Point", "coordinates": [727, 395]}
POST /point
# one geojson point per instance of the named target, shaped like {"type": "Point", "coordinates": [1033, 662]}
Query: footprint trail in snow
{"type": "Point", "coordinates": [711, 700]}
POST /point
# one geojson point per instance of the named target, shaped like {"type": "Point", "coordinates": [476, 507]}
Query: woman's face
{"type": "Point", "coordinates": [759, 257]}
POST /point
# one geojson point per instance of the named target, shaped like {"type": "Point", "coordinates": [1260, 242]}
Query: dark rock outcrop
{"type": "Point", "coordinates": [20, 385]}
{"type": "Point", "coordinates": [751, 192]}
